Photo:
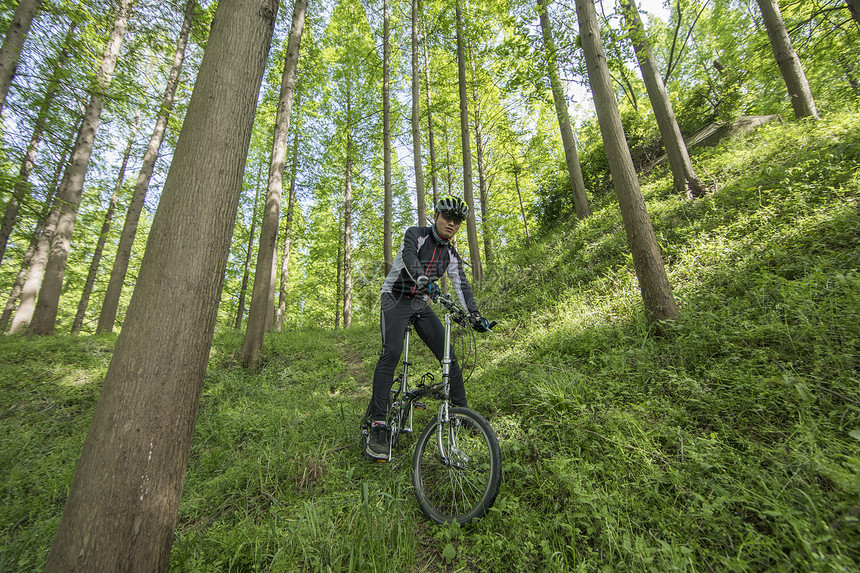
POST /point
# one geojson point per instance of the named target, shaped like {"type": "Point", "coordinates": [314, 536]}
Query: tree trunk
{"type": "Point", "coordinates": [21, 190]}
{"type": "Point", "coordinates": [100, 244]}
{"type": "Point", "coordinates": [122, 506]}
{"type": "Point", "coordinates": [571, 155]}
{"type": "Point", "coordinates": [72, 186]}
{"type": "Point", "coordinates": [683, 175]}
{"type": "Point", "coordinates": [787, 60]}
{"type": "Point", "coordinates": [471, 227]}
{"type": "Point", "coordinates": [434, 176]}
{"type": "Point", "coordinates": [107, 316]}
{"type": "Point", "coordinates": [654, 284]}
{"type": "Point", "coordinates": [522, 208]}
{"type": "Point", "coordinates": [347, 228]}
{"type": "Point", "coordinates": [249, 253]}
{"type": "Point", "coordinates": [14, 42]}
{"type": "Point", "coordinates": [418, 160]}
{"type": "Point", "coordinates": [36, 272]}
{"type": "Point", "coordinates": [262, 299]}
{"type": "Point", "coordinates": [288, 229]}
{"type": "Point", "coordinates": [482, 178]}
{"type": "Point", "coordinates": [388, 199]}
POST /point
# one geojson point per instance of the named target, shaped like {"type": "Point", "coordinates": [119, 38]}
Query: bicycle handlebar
{"type": "Point", "coordinates": [459, 315]}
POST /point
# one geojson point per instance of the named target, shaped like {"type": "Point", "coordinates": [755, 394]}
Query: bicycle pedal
{"type": "Point", "coordinates": [419, 406]}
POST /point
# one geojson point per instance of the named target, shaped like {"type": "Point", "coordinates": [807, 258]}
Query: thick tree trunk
{"type": "Point", "coordinates": [571, 156]}
{"type": "Point", "coordinates": [787, 60]}
{"type": "Point", "coordinates": [654, 284]}
{"type": "Point", "coordinates": [100, 243]}
{"type": "Point", "coordinates": [418, 160]}
{"type": "Point", "coordinates": [122, 506]}
{"type": "Point", "coordinates": [683, 175]}
{"type": "Point", "coordinates": [854, 8]}
{"type": "Point", "coordinates": [14, 42]}
{"type": "Point", "coordinates": [107, 316]}
{"type": "Point", "coordinates": [72, 186]}
{"type": "Point", "coordinates": [262, 308]}
{"type": "Point", "coordinates": [471, 226]}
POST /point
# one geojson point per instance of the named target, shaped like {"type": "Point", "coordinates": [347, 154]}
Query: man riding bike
{"type": "Point", "coordinates": [425, 255]}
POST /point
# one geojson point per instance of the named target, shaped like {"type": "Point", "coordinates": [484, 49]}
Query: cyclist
{"type": "Point", "coordinates": [425, 255]}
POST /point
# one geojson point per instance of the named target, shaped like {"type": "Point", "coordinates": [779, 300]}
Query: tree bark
{"type": "Point", "coordinates": [854, 9]}
{"type": "Point", "coordinates": [417, 159]}
{"type": "Point", "coordinates": [100, 243]}
{"type": "Point", "coordinates": [107, 316]}
{"type": "Point", "coordinates": [683, 176]}
{"type": "Point", "coordinates": [388, 198]}
{"type": "Point", "coordinates": [522, 207]}
{"type": "Point", "coordinates": [122, 506]}
{"type": "Point", "coordinates": [262, 308]}
{"type": "Point", "coordinates": [471, 227]}
{"type": "Point", "coordinates": [571, 156]}
{"type": "Point", "coordinates": [653, 283]}
{"type": "Point", "coordinates": [72, 185]}
{"type": "Point", "coordinates": [249, 253]}
{"type": "Point", "coordinates": [281, 315]}
{"type": "Point", "coordinates": [483, 189]}
{"type": "Point", "coordinates": [21, 190]}
{"type": "Point", "coordinates": [14, 42]}
{"type": "Point", "coordinates": [789, 63]}
{"type": "Point", "coordinates": [34, 270]}
{"type": "Point", "coordinates": [431, 143]}
{"type": "Point", "coordinates": [347, 227]}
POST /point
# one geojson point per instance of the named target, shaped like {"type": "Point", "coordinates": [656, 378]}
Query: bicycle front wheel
{"type": "Point", "coordinates": [457, 467]}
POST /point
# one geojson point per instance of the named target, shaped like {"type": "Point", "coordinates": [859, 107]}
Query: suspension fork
{"type": "Point", "coordinates": [443, 416]}
{"type": "Point", "coordinates": [404, 380]}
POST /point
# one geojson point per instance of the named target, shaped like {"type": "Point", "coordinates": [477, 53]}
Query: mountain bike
{"type": "Point", "coordinates": [457, 463]}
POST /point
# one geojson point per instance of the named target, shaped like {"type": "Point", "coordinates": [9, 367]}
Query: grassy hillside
{"type": "Point", "coordinates": [728, 443]}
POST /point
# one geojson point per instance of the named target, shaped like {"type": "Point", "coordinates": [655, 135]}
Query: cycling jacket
{"type": "Point", "coordinates": [421, 254]}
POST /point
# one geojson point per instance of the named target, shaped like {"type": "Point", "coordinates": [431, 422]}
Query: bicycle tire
{"type": "Point", "coordinates": [464, 486]}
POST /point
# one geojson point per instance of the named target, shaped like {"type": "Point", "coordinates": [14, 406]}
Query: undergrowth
{"type": "Point", "coordinates": [728, 443]}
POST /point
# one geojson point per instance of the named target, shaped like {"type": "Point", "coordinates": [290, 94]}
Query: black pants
{"type": "Point", "coordinates": [395, 316]}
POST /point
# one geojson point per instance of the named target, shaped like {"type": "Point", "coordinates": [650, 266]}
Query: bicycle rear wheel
{"type": "Point", "coordinates": [457, 467]}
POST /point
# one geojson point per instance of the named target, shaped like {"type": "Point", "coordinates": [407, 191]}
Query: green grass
{"type": "Point", "coordinates": [731, 442]}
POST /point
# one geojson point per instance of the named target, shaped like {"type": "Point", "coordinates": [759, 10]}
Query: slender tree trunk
{"type": "Point", "coordinates": [262, 309]}
{"type": "Point", "coordinates": [72, 186]}
{"type": "Point", "coordinates": [654, 284]}
{"type": "Point", "coordinates": [434, 176]}
{"type": "Point", "coordinates": [418, 160]}
{"type": "Point", "coordinates": [471, 227]}
{"type": "Point", "coordinates": [27, 261]}
{"type": "Point", "coordinates": [288, 229]}
{"type": "Point", "coordinates": [100, 244]}
{"type": "Point", "coordinates": [483, 189]}
{"type": "Point", "coordinates": [387, 226]}
{"type": "Point", "coordinates": [522, 208]}
{"type": "Point", "coordinates": [683, 175]}
{"type": "Point", "coordinates": [788, 61]}
{"type": "Point", "coordinates": [449, 173]}
{"type": "Point", "coordinates": [123, 503]}
{"type": "Point", "coordinates": [571, 155]}
{"type": "Point", "coordinates": [107, 316]}
{"type": "Point", "coordinates": [14, 42]}
{"type": "Point", "coordinates": [22, 187]}
{"type": "Point", "coordinates": [36, 272]}
{"type": "Point", "coordinates": [347, 229]}
{"type": "Point", "coordinates": [249, 253]}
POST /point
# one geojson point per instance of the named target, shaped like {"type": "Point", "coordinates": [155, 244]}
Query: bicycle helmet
{"type": "Point", "coordinates": [453, 207]}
